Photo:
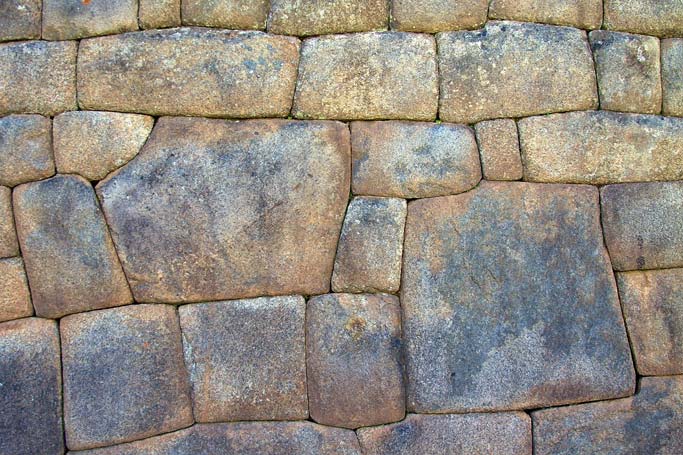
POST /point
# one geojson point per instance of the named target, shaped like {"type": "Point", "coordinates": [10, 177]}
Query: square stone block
{"type": "Point", "coordinates": [159, 13]}
{"type": "Point", "coordinates": [25, 149]}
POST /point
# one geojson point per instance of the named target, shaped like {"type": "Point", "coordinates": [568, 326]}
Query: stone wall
{"type": "Point", "coordinates": [341, 227]}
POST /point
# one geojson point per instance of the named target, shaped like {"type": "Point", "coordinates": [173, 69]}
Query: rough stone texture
{"type": "Point", "coordinates": [232, 14]}
{"type": "Point", "coordinates": [75, 19]}
{"type": "Point", "coordinates": [431, 16]}
{"type": "Point", "coordinates": [70, 259]}
{"type": "Point", "coordinates": [353, 355]}
{"type": "Point", "coordinates": [601, 147]}
{"type": "Point", "coordinates": [499, 149]}
{"type": "Point", "coordinates": [159, 13]}
{"type": "Point", "coordinates": [628, 71]}
{"type": "Point", "coordinates": [586, 14]}
{"type": "Point", "coordinates": [510, 69]}
{"type": "Point", "coordinates": [509, 301]}
{"type": "Point", "coordinates": [199, 72]}
{"type": "Point", "coordinates": [492, 433]}
{"type": "Point", "coordinates": [20, 19]}
{"type": "Point", "coordinates": [649, 423]}
{"type": "Point", "coordinates": [244, 438]}
{"type": "Point", "coordinates": [247, 359]}
{"type": "Point", "coordinates": [93, 144]}
{"type": "Point", "coordinates": [213, 210]}
{"type": "Point", "coordinates": [30, 401]}
{"type": "Point", "coordinates": [8, 237]}
{"type": "Point", "coordinates": [643, 225]}
{"type": "Point", "coordinates": [649, 17]}
{"type": "Point", "coordinates": [38, 77]}
{"type": "Point", "coordinates": [25, 149]}
{"type": "Point", "coordinates": [323, 17]}
{"type": "Point", "coordinates": [672, 76]}
{"type": "Point", "coordinates": [370, 246]}
{"type": "Point", "coordinates": [413, 160]}
{"type": "Point", "coordinates": [124, 377]}
{"type": "Point", "coordinates": [15, 299]}
{"type": "Point", "coordinates": [653, 308]}
{"type": "Point", "coordinates": [382, 75]}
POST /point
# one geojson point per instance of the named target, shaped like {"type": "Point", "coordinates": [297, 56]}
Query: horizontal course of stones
{"type": "Point", "coordinates": [341, 227]}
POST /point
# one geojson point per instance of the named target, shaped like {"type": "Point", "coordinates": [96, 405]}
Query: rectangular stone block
{"type": "Point", "coordinates": [20, 19]}
{"type": "Point", "coordinates": [15, 298]}
{"type": "Point", "coordinates": [672, 77]}
{"type": "Point", "coordinates": [75, 19]}
{"type": "Point", "coordinates": [386, 75]}
{"type": "Point", "coordinates": [8, 237]}
{"type": "Point", "coordinates": [600, 147]}
{"type": "Point", "coordinates": [324, 17]}
{"type": "Point", "coordinates": [188, 71]}
{"type": "Point", "coordinates": [230, 14]}
{"type": "Point", "coordinates": [586, 14]}
{"type": "Point", "coordinates": [499, 149]}
{"type": "Point", "coordinates": [432, 16]}
{"type": "Point", "coordinates": [159, 13]}
{"type": "Point", "coordinates": [662, 18]}
{"type": "Point", "coordinates": [25, 149]}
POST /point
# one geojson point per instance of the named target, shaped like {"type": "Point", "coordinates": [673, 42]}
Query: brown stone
{"type": "Point", "coordinates": [586, 14]}
{"type": "Point", "coordinates": [189, 71]}
{"type": "Point", "coordinates": [70, 259]}
{"type": "Point", "coordinates": [214, 210]}
{"type": "Point", "coordinates": [124, 377]}
{"type": "Point", "coordinates": [159, 13]}
{"type": "Point", "coordinates": [432, 16]}
{"type": "Point", "coordinates": [672, 76]}
{"type": "Point", "coordinates": [662, 18]}
{"type": "Point", "coordinates": [511, 69]}
{"type": "Point", "coordinates": [247, 359]}
{"type": "Point", "coordinates": [8, 237]}
{"type": "Point", "coordinates": [324, 17]}
{"type": "Point", "coordinates": [353, 355]}
{"type": "Point", "coordinates": [20, 19]}
{"type": "Point", "coordinates": [75, 19]}
{"type": "Point", "coordinates": [92, 144]}
{"type": "Point", "coordinates": [499, 149]}
{"type": "Point", "coordinates": [15, 299]}
{"type": "Point", "coordinates": [231, 14]}
{"type": "Point", "coordinates": [25, 149]}
{"type": "Point", "coordinates": [388, 75]}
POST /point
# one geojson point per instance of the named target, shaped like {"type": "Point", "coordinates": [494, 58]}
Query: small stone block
{"type": "Point", "coordinates": [663, 18]}
{"type": "Point", "coordinates": [499, 149]}
{"type": "Point", "coordinates": [75, 19]}
{"type": "Point", "coordinates": [432, 16]}
{"type": "Point", "coordinates": [25, 149]}
{"type": "Point", "coordinates": [672, 76]}
{"type": "Point", "coordinates": [15, 298]}
{"type": "Point", "coordinates": [159, 13]}
{"type": "Point", "coordinates": [20, 19]}
{"type": "Point", "coordinates": [230, 14]}
{"type": "Point", "coordinates": [586, 14]}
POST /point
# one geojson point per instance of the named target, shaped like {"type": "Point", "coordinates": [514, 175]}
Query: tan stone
{"type": "Point", "coordinates": [324, 17]}
{"type": "Point", "coordinates": [431, 16]}
{"type": "Point", "coordinates": [15, 299]}
{"type": "Point", "coordinates": [662, 18]}
{"type": "Point", "coordinates": [8, 237]}
{"type": "Point", "coordinates": [25, 149]}
{"type": "Point", "coordinates": [672, 76]}
{"type": "Point", "coordinates": [499, 149]}
{"type": "Point", "coordinates": [159, 13]}
{"type": "Point", "coordinates": [586, 14]}
{"type": "Point", "coordinates": [75, 19]}
{"type": "Point", "coordinates": [231, 14]}
{"type": "Point", "coordinates": [20, 19]}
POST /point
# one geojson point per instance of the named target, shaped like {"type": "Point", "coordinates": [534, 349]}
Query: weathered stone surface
{"type": "Point", "coordinates": [70, 259]}
{"type": "Point", "coordinates": [431, 16]}
{"type": "Point", "coordinates": [370, 246]}
{"type": "Point", "coordinates": [651, 422]}
{"type": "Point", "coordinates": [413, 160]}
{"type": "Point", "coordinates": [628, 71]}
{"type": "Point", "coordinates": [672, 76]}
{"type": "Point", "coordinates": [30, 401]}
{"type": "Point", "coordinates": [232, 14]}
{"type": "Point", "coordinates": [25, 149]}
{"type": "Point", "coordinates": [20, 19]}
{"type": "Point", "coordinates": [323, 17]}
{"type": "Point", "coordinates": [159, 13]}
{"type": "Point", "coordinates": [510, 69]}
{"type": "Point", "coordinates": [15, 299]}
{"type": "Point", "coordinates": [389, 75]}
{"type": "Point", "coordinates": [648, 17]}
{"type": "Point", "coordinates": [585, 14]}
{"type": "Point", "coordinates": [353, 355]}
{"type": "Point", "coordinates": [200, 72]}
{"type": "Point", "coordinates": [643, 224]}
{"type": "Point", "coordinates": [75, 19]}
{"type": "Point", "coordinates": [653, 308]}
{"type": "Point", "coordinates": [509, 301]}
{"type": "Point", "coordinates": [124, 377]}
{"type": "Point", "coordinates": [247, 359]}
{"type": "Point", "coordinates": [38, 77]}
{"type": "Point", "coordinates": [8, 237]}
{"type": "Point", "coordinates": [491, 433]}
{"type": "Point", "coordinates": [499, 149]}
{"type": "Point", "coordinates": [93, 144]}
{"type": "Point", "coordinates": [601, 147]}
{"type": "Point", "coordinates": [213, 210]}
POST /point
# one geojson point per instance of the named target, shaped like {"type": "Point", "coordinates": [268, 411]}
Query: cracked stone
{"type": "Point", "coordinates": [8, 237]}
{"type": "Point", "coordinates": [586, 14]}
{"type": "Point", "coordinates": [75, 19]}
{"type": "Point", "coordinates": [20, 19]}
{"type": "Point", "coordinates": [25, 149]}
{"type": "Point", "coordinates": [499, 149]}
{"type": "Point", "coordinates": [672, 76]}
{"type": "Point", "coordinates": [647, 17]}
{"type": "Point", "coordinates": [15, 299]}
{"type": "Point", "coordinates": [159, 13]}
{"type": "Point", "coordinates": [231, 14]}
{"type": "Point", "coordinates": [432, 16]}
{"type": "Point", "coordinates": [325, 17]}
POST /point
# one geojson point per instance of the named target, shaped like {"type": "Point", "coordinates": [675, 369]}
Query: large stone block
{"type": "Point", "coordinates": [20, 19]}
{"type": "Point", "coordinates": [231, 14]}
{"type": "Point", "coordinates": [672, 77]}
{"type": "Point", "coordinates": [8, 237]}
{"type": "Point", "coordinates": [586, 14]}
{"type": "Point", "coordinates": [499, 149]}
{"type": "Point", "coordinates": [25, 149]}
{"type": "Point", "coordinates": [15, 299]}
{"type": "Point", "coordinates": [432, 16]}
{"type": "Point", "coordinates": [324, 17]}
{"type": "Point", "coordinates": [213, 210]}
{"type": "Point", "coordinates": [75, 19]}
{"type": "Point", "coordinates": [159, 13]}
{"type": "Point", "coordinates": [662, 18]}
{"type": "Point", "coordinates": [509, 301]}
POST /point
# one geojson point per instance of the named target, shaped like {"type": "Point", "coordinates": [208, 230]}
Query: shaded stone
{"type": "Point", "coordinates": [370, 246]}
{"type": "Point", "coordinates": [247, 359]}
{"type": "Point", "coordinates": [324, 17]}
{"type": "Point", "coordinates": [431, 16]}
{"type": "Point", "coordinates": [353, 356]}
{"type": "Point", "coordinates": [653, 308]}
{"type": "Point", "coordinates": [387, 75]}
{"type": "Point", "coordinates": [511, 69]}
{"type": "Point", "coordinates": [491, 433]}
{"type": "Point", "coordinates": [628, 71]}
{"type": "Point", "coordinates": [599, 147]}
{"type": "Point", "coordinates": [38, 77]}
{"type": "Point", "coordinates": [648, 17]}
{"type": "Point", "coordinates": [20, 19]}
{"type": "Point", "coordinates": [31, 384]}
{"type": "Point", "coordinates": [509, 301]}
{"type": "Point", "coordinates": [189, 71]}
{"type": "Point", "coordinates": [649, 423]}
{"type": "Point", "coordinates": [413, 160]}
{"type": "Point", "coordinates": [643, 224]}
{"type": "Point", "coordinates": [159, 13]}
{"type": "Point", "coordinates": [93, 144]}
{"type": "Point", "coordinates": [672, 76]}
{"type": "Point", "coordinates": [70, 259]}
{"type": "Point", "coordinates": [8, 237]}
{"type": "Point", "coordinates": [25, 149]}
{"type": "Point", "coordinates": [585, 14]}
{"type": "Point", "coordinates": [499, 149]}
{"type": "Point", "coordinates": [213, 210]}
{"type": "Point", "coordinates": [124, 377]}
{"type": "Point", "coordinates": [15, 299]}
{"type": "Point", "coordinates": [232, 14]}
{"type": "Point", "coordinates": [75, 19]}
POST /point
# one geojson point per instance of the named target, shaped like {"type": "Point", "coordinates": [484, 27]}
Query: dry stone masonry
{"type": "Point", "coordinates": [341, 227]}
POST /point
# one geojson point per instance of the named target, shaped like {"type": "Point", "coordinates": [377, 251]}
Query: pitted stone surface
{"type": "Point", "coordinates": [672, 76]}
{"type": "Point", "coordinates": [75, 19]}
{"type": "Point", "coordinates": [213, 210]}
{"type": "Point", "coordinates": [8, 237]}
{"type": "Point", "coordinates": [499, 149]}
{"type": "Point", "coordinates": [247, 359]}
{"type": "Point", "coordinates": [20, 19]}
{"type": "Point", "coordinates": [70, 259]}
{"type": "Point", "coordinates": [509, 301]}
{"type": "Point", "coordinates": [15, 299]}
{"type": "Point", "coordinates": [323, 17]}
{"type": "Point", "coordinates": [231, 14]}
{"type": "Point", "coordinates": [601, 147]}
{"type": "Point", "coordinates": [159, 13]}
{"type": "Point", "coordinates": [662, 18]}
{"type": "Point", "coordinates": [432, 16]}
{"type": "Point", "coordinates": [586, 14]}
{"type": "Point", "coordinates": [25, 149]}
{"type": "Point", "coordinates": [124, 377]}
{"type": "Point", "coordinates": [383, 75]}
{"type": "Point", "coordinates": [511, 69]}
{"type": "Point", "coordinates": [413, 159]}
{"type": "Point", "coordinates": [189, 71]}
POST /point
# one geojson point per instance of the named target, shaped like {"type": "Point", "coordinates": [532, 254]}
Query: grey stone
{"type": "Point", "coordinates": [20, 19]}
{"type": "Point", "coordinates": [324, 17]}
{"type": "Point", "coordinates": [8, 236]}
{"type": "Point", "coordinates": [499, 149]}
{"type": "Point", "coordinates": [431, 16]}
{"type": "Point", "coordinates": [75, 19]}
{"type": "Point", "coordinates": [25, 149]}
{"type": "Point", "coordinates": [159, 13]}
{"type": "Point", "coordinates": [586, 14]}
{"type": "Point", "coordinates": [232, 14]}
{"type": "Point", "coordinates": [15, 299]}
{"type": "Point", "coordinates": [662, 18]}
{"type": "Point", "coordinates": [672, 76]}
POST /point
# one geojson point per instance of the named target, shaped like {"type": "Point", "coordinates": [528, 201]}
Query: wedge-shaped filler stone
{"type": "Point", "coordinates": [511, 69]}
{"type": "Point", "coordinates": [74, 19]}
{"type": "Point", "coordinates": [15, 299]}
{"type": "Point", "coordinates": [509, 301]}
{"type": "Point", "coordinates": [585, 14]}
{"type": "Point", "coordinates": [25, 149]}
{"type": "Point", "coordinates": [214, 210]}
{"type": "Point", "coordinates": [324, 17]}
{"type": "Point", "coordinates": [189, 71]}
{"type": "Point", "coordinates": [672, 76]}
{"type": "Point", "coordinates": [663, 18]}
{"type": "Point", "coordinates": [8, 237]}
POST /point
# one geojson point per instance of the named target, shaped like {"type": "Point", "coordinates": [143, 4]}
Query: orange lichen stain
{"type": "Point", "coordinates": [86, 2]}
{"type": "Point", "coordinates": [355, 326]}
